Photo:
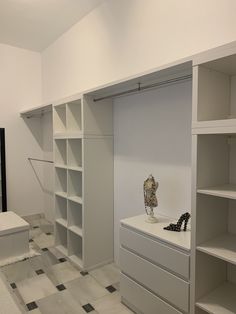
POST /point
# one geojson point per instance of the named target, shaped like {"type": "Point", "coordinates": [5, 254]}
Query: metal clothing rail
{"type": "Point", "coordinates": [150, 86]}
{"type": "Point", "coordinates": [41, 160]}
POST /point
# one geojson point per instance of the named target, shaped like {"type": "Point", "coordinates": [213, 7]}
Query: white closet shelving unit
{"type": "Point", "coordinates": [214, 185]}
{"type": "Point", "coordinates": [83, 156]}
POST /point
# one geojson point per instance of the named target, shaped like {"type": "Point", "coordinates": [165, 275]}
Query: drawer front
{"type": "Point", "coordinates": [158, 280]}
{"type": "Point", "coordinates": [157, 252]}
{"type": "Point", "coordinates": [142, 299]}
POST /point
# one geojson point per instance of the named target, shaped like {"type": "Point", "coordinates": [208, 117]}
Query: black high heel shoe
{"type": "Point", "coordinates": [177, 227]}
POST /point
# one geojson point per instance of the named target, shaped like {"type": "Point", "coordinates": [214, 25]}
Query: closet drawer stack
{"type": "Point", "coordinates": [155, 267]}
{"type": "Point", "coordinates": [83, 157]}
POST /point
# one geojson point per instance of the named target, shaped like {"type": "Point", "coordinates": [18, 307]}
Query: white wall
{"type": "Point", "coordinates": [125, 37]}
{"type": "Point", "coordinates": [20, 86]}
{"type": "Point", "coordinates": [152, 135]}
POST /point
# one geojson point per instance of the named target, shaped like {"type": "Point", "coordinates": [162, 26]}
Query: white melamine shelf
{"type": "Point", "coordinates": [223, 247]}
{"type": "Point", "coordinates": [62, 222]}
{"type": "Point", "coordinates": [225, 126]}
{"type": "Point", "coordinates": [76, 230]}
{"type": "Point", "coordinates": [226, 191]}
{"type": "Point", "coordinates": [60, 166]}
{"type": "Point", "coordinates": [75, 199]}
{"type": "Point", "coordinates": [68, 135]}
{"type": "Point", "coordinates": [35, 111]}
{"type": "Point", "coordinates": [75, 168]}
{"type": "Point", "coordinates": [222, 300]}
{"type": "Point", "coordinates": [62, 249]}
{"type": "Point", "coordinates": [61, 194]}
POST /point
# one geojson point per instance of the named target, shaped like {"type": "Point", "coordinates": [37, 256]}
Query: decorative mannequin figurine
{"type": "Point", "coordinates": [150, 200]}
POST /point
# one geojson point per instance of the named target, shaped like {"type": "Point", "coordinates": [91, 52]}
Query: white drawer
{"type": "Point", "coordinates": [155, 251]}
{"type": "Point", "coordinates": [158, 280]}
{"type": "Point", "coordinates": [142, 299]}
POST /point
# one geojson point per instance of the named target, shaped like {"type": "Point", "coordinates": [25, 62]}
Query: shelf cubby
{"type": "Point", "coordinates": [61, 182]}
{"type": "Point", "coordinates": [61, 238]}
{"type": "Point", "coordinates": [216, 287]}
{"type": "Point", "coordinates": [216, 99]}
{"type": "Point", "coordinates": [75, 186]}
{"type": "Point", "coordinates": [75, 248]}
{"type": "Point", "coordinates": [61, 210]}
{"type": "Point", "coordinates": [60, 151]}
{"type": "Point", "coordinates": [59, 121]}
{"type": "Point", "coordinates": [74, 119]}
{"type": "Point", "coordinates": [75, 215]}
{"type": "Point", "coordinates": [217, 165]}
{"type": "Point", "coordinates": [75, 153]}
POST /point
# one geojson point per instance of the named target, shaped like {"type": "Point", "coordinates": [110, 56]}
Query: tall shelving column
{"type": "Point", "coordinates": [213, 265]}
{"type": "Point", "coordinates": [83, 155]}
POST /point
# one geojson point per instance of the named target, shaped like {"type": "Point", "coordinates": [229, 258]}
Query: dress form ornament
{"type": "Point", "coordinates": [150, 200]}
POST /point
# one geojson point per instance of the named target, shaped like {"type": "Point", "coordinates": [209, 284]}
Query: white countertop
{"type": "Point", "coordinates": [11, 223]}
{"type": "Point", "coordinates": [179, 239]}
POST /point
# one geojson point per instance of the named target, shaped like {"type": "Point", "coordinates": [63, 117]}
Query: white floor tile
{"type": "Point", "coordinates": [62, 273]}
{"type": "Point", "coordinates": [106, 275]}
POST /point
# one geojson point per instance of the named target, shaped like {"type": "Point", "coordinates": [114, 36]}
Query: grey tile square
{"type": "Point", "coordinates": [32, 306]}
{"type": "Point", "coordinates": [39, 272]}
{"type": "Point", "coordinates": [35, 288]}
{"type": "Point", "coordinates": [44, 241]}
{"type": "Point", "coordinates": [106, 275]}
{"type": "Point", "coordinates": [18, 271]}
{"type": "Point", "coordinates": [62, 273]}
{"type": "Point", "coordinates": [61, 287]}
{"type": "Point", "coordinates": [86, 289]}
{"type": "Point", "coordinates": [60, 303]}
{"type": "Point", "coordinates": [111, 289]}
{"type": "Point", "coordinates": [88, 308]}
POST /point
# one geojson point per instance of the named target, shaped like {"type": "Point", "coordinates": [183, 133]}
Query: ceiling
{"type": "Point", "coordinates": [35, 24]}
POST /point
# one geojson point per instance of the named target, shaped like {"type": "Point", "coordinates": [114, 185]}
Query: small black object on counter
{"type": "Point", "coordinates": [177, 227]}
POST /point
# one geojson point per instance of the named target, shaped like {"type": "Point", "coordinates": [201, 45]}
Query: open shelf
{"type": "Point", "coordinates": [62, 222]}
{"type": "Point", "coordinates": [75, 214]}
{"type": "Point", "coordinates": [75, 153]}
{"type": "Point", "coordinates": [222, 300]}
{"type": "Point", "coordinates": [216, 91]}
{"type": "Point", "coordinates": [60, 181]}
{"type": "Point", "coordinates": [76, 230]}
{"type": "Point", "coordinates": [75, 185]}
{"type": "Point", "coordinates": [61, 207]}
{"type": "Point", "coordinates": [74, 120]}
{"type": "Point", "coordinates": [59, 120]}
{"type": "Point", "coordinates": [226, 191]}
{"type": "Point", "coordinates": [36, 111]}
{"type": "Point", "coordinates": [61, 238]}
{"type": "Point", "coordinates": [224, 126]}
{"type": "Point", "coordinates": [223, 247]}
{"type": "Point", "coordinates": [61, 194]}
{"type": "Point", "coordinates": [75, 247]}
{"type": "Point", "coordinates": [60, 157]}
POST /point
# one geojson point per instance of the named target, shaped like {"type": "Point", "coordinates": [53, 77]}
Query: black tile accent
{"type": "Point", "coordinates": [84, 273]}
{"type": "Point", "coordinates": [31, 240]}
{"type": "Point", "coordinates": [62, 260]}
{"type": "Point", "coordinates": [13, 285]}
{"type": "Point", "coordinates": [35, 227]}
{"type": "Point", "coordinates": [48, 233]}
{"type": "Point", "coordinates": [111, 289]}
{"type": "Point", "coordinates": [31, 306]}
{"type": "Point", "coordinates": [45, 249]}
{"type": "Point", "coordinates": [61, 287]}
{"type": "Point", "coordinates": [88, 308]}
{"type": "Point", "coordinates": [39, 272]}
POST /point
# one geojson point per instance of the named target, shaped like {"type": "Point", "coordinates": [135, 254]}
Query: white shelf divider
{"type": "Point", "coordinates": [226, 191]}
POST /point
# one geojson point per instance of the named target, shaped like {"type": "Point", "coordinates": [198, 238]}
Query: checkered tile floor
{"type": "Point", "coordinates": [51, 284]}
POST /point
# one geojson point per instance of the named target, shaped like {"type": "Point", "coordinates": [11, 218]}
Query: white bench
{"type": "Point", "coordinates": [14, 237]}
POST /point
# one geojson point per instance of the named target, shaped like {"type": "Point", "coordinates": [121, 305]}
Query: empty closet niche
{"type": "Point", "coordinates": [216, 227]}
{"type": "Point", "coordinates": [75, 217]}
{"type": "Point", "coordinates": [75, 153]}
{"type": "Point", "coordinates": [215, 285]}
{"type": "Point", "coordinates": [61, 210]}
{"type": "Point", "coordinates": [60, 156]}
{"type": "Point", "coordinates": [217, 89]}
{"type": "Point", "coordinates": [75, 186]}
{"type": "Point", "coordinates": [74, 121]}
{"type": "Point", "coordinates": [217, 165]}
{"type": "Point", "coordinates": [61, 238]}
{"type": "Point", "coordinates": [61, 182]}
{"type": "Point", "coordinates": [59, 119]}
{"type": "Point", "coordinates": [75, 248]}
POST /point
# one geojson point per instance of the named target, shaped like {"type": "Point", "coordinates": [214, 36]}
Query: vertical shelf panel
{"type": "Point", "coordinates": [61, 238]}
{"type": "Point", "coordinates": [61, 210]}
{"type": "Point", "coordinates": [75, 185]}
{"type": "Point", "coordinates": [75, 248]}
{"type": "Point", "coordinates": [75, 153]}
{"type": "Point", "coordinates": [74, 119]}
{"type": "Point", "coordinates": [59, 119]}
{"type": "Point", "coordinates": [75, 215]}
{"type": "Point", "coordinates": [60, 154]}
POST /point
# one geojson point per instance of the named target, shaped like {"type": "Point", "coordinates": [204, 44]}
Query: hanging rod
{"type": "Point", "coordinates": [41, 160]}
{"type": "Point", "coordinates": [141, 88]}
